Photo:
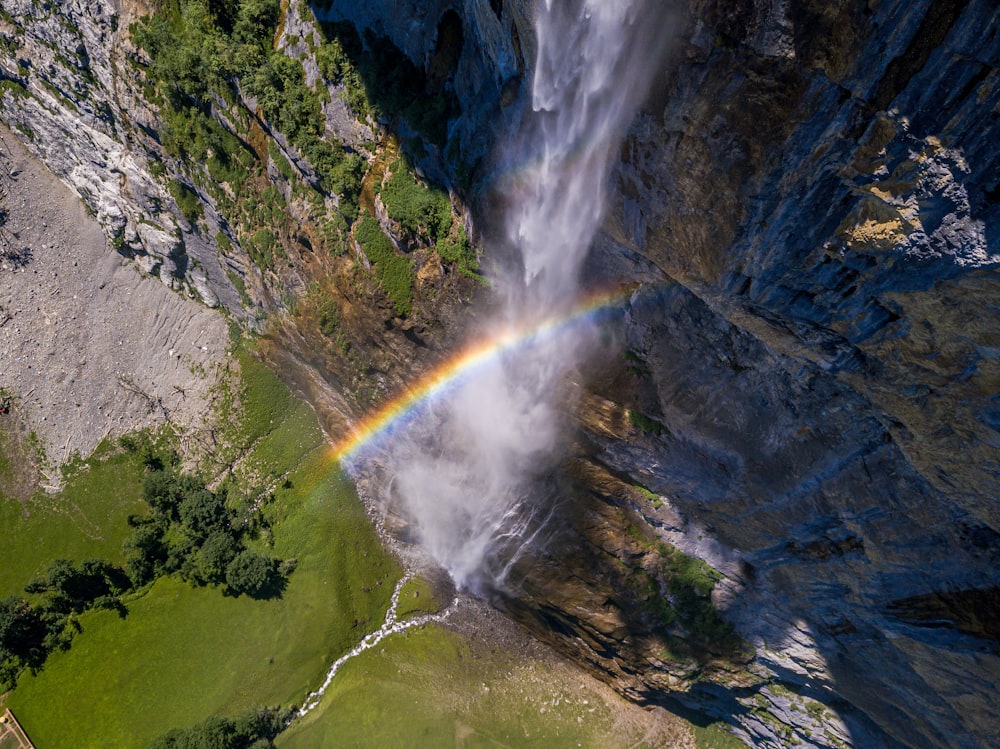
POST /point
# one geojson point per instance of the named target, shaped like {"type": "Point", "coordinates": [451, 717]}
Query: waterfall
{"type": "Point", "coordinates": [463, 472]}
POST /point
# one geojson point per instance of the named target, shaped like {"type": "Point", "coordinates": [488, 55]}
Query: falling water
{"type": "Point", "coordinates": [463, 473]}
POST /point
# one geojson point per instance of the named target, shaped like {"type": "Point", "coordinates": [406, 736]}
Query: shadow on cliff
{"type": "Point", "coordinates": [382, 82]}
{"type": "Point", "coordinates": [603, 588]}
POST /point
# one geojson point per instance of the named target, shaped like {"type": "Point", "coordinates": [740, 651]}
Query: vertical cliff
{"type": "Point", "coordinates": [819, 185]}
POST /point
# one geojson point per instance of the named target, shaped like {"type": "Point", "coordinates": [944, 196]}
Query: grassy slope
{"type": "Point", "coordinates": [429, 688]}
{"type": "Point", "coordinates": [86, 519]}
{"type": "Point", "coordinates": [715, 736]}
{"type": "Point", "coordinates": [183, 653]}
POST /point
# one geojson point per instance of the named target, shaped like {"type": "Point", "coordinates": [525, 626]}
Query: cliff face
{"type": "Point", "coordinates": [820, 184]}
{"type": "Point", "coordinates": [808, 206]}
{"type": "Point", "coordinates": [818, 364]}
{"type": "Point", "coordinates": [70, 90]}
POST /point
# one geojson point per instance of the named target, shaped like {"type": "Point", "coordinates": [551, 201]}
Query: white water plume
{"type": "Point", "coordinates": [464, 473]}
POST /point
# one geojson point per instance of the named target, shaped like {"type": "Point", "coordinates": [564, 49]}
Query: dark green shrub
{"type": "Point", "coordinates": [214, 556]}
{"type": "Point", "coordinates": [423, 212]}
{"type": "Point", "coordinates": [186, 199]}
{"type": "Point", "coordinates": [21, 629]}
{"type": "Point", "coordinates": [456, 248]}
{"type": "Point", "coordinates": [328, 317]}
{"type": "Point", "coordinates": [647, 424]}
{"type": "Point", "coordinates": [393, 271]}
{"type": "Point", "coordinates": [202, 512]}
{"type": "Point", "coordinates": [250, 573]}
{"type": "Point", "coordinates": [253, 730]}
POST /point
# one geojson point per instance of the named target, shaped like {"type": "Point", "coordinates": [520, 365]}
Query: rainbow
{"type": "Point", "coordinates": [461, 366]}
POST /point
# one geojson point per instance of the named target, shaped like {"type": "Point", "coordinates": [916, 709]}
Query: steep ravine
{"type": "Point", "coordinates": [807, 209]}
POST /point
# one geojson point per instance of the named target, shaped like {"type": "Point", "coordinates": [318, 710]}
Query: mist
{"type": "Point", "coordinates": [464, 471]}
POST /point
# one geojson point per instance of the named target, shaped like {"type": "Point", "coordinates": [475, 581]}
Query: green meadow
{"type": "Point", "coordinates": [184, 653]}
{"type": "Point", "coordinates": [85, 520]}
{"type": "Point", "coordinates": [181, 654]}
{"type": "Point", "coordinates": [431, 687]}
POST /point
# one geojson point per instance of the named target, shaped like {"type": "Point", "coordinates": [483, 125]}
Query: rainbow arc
{"type": "Point", "coordinates": [463, 365]}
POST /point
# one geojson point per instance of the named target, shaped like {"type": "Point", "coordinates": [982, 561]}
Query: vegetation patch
{"type": "Point", "coordinates": [416, 599]}
{"type": "Point", "coordinates": [186, 199]}
{"type": "Point", "coordinates": [191, 531]}
{"type": "Point", "coordinates": [87, 519]}
{"type": "Point", "coordinates": [652, 497]}
{"type": "Point", "coordinates": [394, 271]}
{"type": "Point", "coordinates": [424, 213]}
{"type": "Point", "coordinates": [647, 424]}
{"type": "Point", "coordinates": [689, 582]}
{"type": "Point", "coordinates": [715, 736]}
{"type": "Point", "coordinates": [675, 589]}
{"type": "Point", "coordinates": [204, 62]}
{"type": "Point", "coordinates": [214, 654]}
{"type": "Point", "coordinates": [252, 730]}
{"type": "Point", "coordinates": [458, 250]}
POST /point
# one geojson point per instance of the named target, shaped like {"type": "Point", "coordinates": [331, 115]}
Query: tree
{"type": "Point", "coordinates": [160, 490]}
{"type": "Point", "coordinates": [219, 549]}
{"type": "Point", "coordinates": [21, 629]}
{"type": "Point", "coordinates": [145, 552]}
{"type": "Point", "coordinates": [249, 573]}
{"type": "Point", "coordinates": [253, 730]}
{"type": "Point", "coordinates": [203, 512]}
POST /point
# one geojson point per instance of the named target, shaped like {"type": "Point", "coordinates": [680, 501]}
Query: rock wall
{"type": "Point", "coordinates": [819, 182]}
{"type": "Point", "coordinates": [809, 204]}
{"type": "Point", "coordinates": [67, 86]}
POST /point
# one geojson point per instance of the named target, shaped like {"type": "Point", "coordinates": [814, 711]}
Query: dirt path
{"type": "Point", "coordinates": [88, 346]}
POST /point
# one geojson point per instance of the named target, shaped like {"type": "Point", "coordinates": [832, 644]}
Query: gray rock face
{"type": "Point", "coordinates": [821, 181]}
{"type": "Point", "coordinates": [69, 89]}
{"type": "Point", "coordinates": [817, 185]}
{"type": "Point", "coordinates": [491, 67]}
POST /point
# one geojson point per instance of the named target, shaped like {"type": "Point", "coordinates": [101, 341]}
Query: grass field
{"type": "Point", "coordinates": [185, 653]}
{"type": "Point", "coordinates": [416, 598]}
{"type": "Point", "coordinates": [86, 519]}
{"type": "Point", "coordinates": [715, 736]}
{"type": "Point", "coordinates": [430, 687]}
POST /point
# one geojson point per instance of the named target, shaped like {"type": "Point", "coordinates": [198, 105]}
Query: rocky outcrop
{"type": "Point", "coordinates": [487, 67]}
{"type": "Point", "coordinates": [69, 88]}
